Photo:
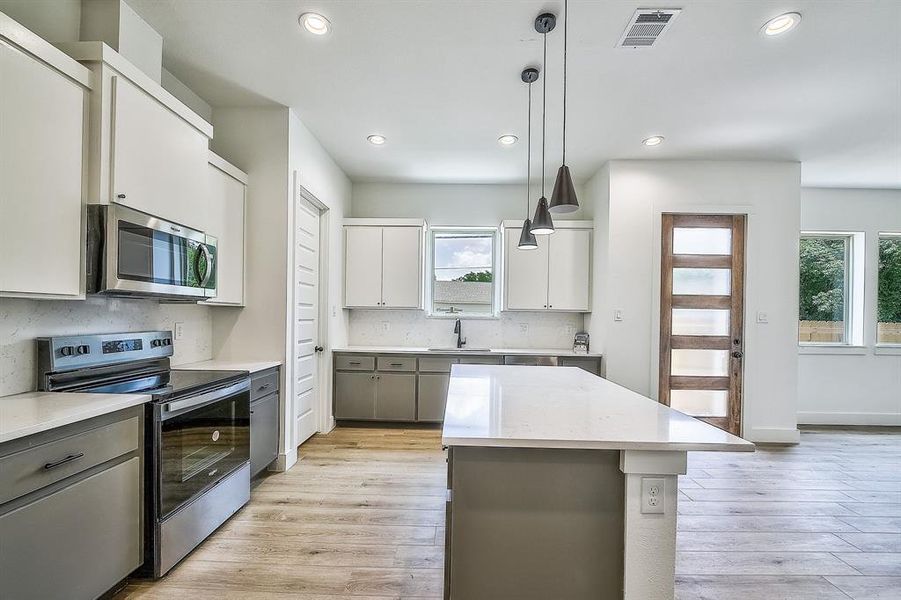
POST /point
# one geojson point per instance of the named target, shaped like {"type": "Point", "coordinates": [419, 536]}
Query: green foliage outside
{"type": "Point", "coordinates": [822, 279]}
{"type": "Point", "coordinates": [483, 276]}
{"type": "Point", "coordinates": [890, 280]}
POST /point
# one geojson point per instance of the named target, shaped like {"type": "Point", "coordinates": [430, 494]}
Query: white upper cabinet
{"type": "Point", "coordinates": [383, 264]}
{"type": "Point", "coordinates": [159, 161]}
{"type": "Point", "coordinates": [227, 191]}
{"type": "Point", "coordinates": [401, 261]}
{"type": "Point", "coordinates": [43, 102]}
{"type": "Point", "coordinates": [556, 276]}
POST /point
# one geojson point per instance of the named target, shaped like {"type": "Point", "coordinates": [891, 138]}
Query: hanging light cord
{"type": "Point", "coordinates": [565, 27]}
{"type": "Point", "coordinates": [529, 152]}
{"type": "Point", "coordinates": [543, 110]}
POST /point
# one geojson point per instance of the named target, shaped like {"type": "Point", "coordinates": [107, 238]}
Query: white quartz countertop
{"type": "Point", "coordinates": [34, 412]}
{"type": "Point", "coordinates": [230, 365]}
{"type": "Point", "coordinates": [463, 352]}
{"type": "Point", "coordinates": [566, 407]}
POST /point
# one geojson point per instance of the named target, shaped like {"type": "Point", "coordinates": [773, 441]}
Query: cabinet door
{"type": "Point", "coordinates": [41, 152]}
{"type": "Point", "coordinates": [569, 271]}
{"type": "Point", "coordinates": [363, 267]}
{"type": "Point", "coordinates": [159, 160]}
{"type": "Point", "coordinates": [396, 397]}
{"type": "Point", "coordinates": [354, 396]}
{"type": "Point", "coordinates": [226, 221]}
{"type": "Point", "coordinates": [401, 267]}
{"type": "Point", "coordinates": [432, 396]}
{"type": "Point", "coordinates": [263, 433]}
{"type": "Point", "coordinates": [525, 273]}
{"type": "Point", "coordinates": [77, 542]}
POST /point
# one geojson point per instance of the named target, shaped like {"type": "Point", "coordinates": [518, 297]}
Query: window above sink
{"type": "Point", "coordinates": [463, 273]}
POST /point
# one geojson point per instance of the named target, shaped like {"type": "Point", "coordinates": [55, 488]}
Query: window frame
{"type": "Point", "coordinates": [851, 331]}
{"type": "Point", "coordinates": [430, 270]}
{"type": "Point", "coordinates": [890, 347]}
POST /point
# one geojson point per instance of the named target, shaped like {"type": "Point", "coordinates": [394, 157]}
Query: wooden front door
{"type": "Point", "coordinates": [701, 316]}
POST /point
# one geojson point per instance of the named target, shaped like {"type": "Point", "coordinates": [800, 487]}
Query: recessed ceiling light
{"type": "Point", "coordinates": [377, 139]}
{"type": "Point", "coordinates": [654, 140]}
{"type": "Point", "coordinates": [507, 140]}
{"type": "Point", "coordinates": [781, 24]}
{"type": "Point", "coordinates": [315, 23]}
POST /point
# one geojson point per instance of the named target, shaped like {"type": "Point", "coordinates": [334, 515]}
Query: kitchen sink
{"type": "Point", "coordinates": [460, 350]}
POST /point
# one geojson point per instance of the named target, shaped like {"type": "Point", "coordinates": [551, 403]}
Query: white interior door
{"type": "Point", "coordinates": [306, 316]}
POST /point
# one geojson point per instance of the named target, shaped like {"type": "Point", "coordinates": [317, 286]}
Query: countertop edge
{"type": "Point", "coordinates": [122, 402]}
{"type": "Point", "coordinates": [595, 445]}
{"type": "Point", "coordinates": [563, 352]}
{"type": "Point", "coordinates": [252, 366]}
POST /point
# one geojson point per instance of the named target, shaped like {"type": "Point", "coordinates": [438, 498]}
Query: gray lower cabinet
{"type": "Point", "coordinates": [395, 397]}
{"type": "Point", "coordinates": [263, 433]}
{"type": "Point", "coordinates": [355, 396]}
{"type": "Point", "coordinates": [432, 396]}
{"type": "Point", "coordinates": [80, 535]}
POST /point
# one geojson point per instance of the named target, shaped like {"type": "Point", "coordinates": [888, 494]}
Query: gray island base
{"type": "Point", "coordinates": [545, 474]}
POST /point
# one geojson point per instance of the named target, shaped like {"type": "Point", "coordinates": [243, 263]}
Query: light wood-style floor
{"type": "Point", "coordinates": [361, 516]}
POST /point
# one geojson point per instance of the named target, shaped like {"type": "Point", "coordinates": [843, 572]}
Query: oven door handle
{"type": "Point", "coordinates": [203, 399]}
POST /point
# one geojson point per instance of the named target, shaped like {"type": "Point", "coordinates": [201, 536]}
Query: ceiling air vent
{"type": "Point", "coordinates": [646, 27]}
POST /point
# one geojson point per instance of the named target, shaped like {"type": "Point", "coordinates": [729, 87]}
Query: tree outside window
{"type": "Point", "coordinates": [888, 329]}
{"type": "Point", "coordinates": [824, 300]}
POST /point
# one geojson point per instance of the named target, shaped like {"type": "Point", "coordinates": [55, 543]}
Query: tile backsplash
{"type": "Point", "coordinates": [510, 330]}
{"type": "Point", "coordinates": [21, 321]}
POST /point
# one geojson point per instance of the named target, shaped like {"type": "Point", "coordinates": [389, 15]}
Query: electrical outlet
{"type": "Point", "coordinates": [524, 328]}
{"type": "Point", "coordinates": [386, 326]}
{"type": "Point", "coordinates": [334, 310]}
{"type": "Point", "coordinates": [569, 329]}
{"type": "Point", "coordinates": [179, 330]}
{"type": "Point", "coordinates": [653, 495]}
{"type": "Point", "coordinates": [618, 315]}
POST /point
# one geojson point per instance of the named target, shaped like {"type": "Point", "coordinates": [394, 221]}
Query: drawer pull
{"type": "Point", "coordinates": [354, 362]}
{"type": "Point", "coordinates": [264, 387]}
{"type": "Point", "coordinates": [62, 461]}
{"type": "Point", "coordinates": [397, 364]}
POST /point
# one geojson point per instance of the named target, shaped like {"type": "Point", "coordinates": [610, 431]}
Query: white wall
{"type": "Point", "coordinates": [21, 321]}
{"type": "Point", "coordinates": [859, 386]}
{"type": "Point", "coordinates": [639, 192]}
{"type": "Point", "coordinates": [53, 20]}
{"type": "Point", "coordinates": [461, 205]}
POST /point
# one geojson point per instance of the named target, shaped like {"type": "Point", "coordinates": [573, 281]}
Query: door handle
{"type": "Point", "coordinates": [317, 349]}
{"type": "Point", "coordinates": [737, 354]}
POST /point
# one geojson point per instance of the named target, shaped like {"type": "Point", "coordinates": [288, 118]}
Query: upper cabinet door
{"type": "Point", "coordinates": [526, 273]}
{"type": "Point", "coordinates": [569, 270]}
{"type": "Point", "coordinates": [42, 117]}
{"type": "Point", "coordinates": [401, 267]}
{"type": "Point", "coordinates": [363, 267]}
{"type": "Point", "coordinates": [159, 160]}
{"type": "Point", "coordinates": [225, 221]}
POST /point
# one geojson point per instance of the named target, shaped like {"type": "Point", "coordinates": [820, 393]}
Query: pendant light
{"type": "Point", "coordinates": [564, 200]}
{"type": "Point", "coordinates": [542, 224]}
{"type": "Point", "coordinates": [527, 239]}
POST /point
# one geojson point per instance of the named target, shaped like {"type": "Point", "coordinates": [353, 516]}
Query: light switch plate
{"type": "Point", "coordinates": [762, 317]}
{"type": "Point", "coordinates": [653, 495]}
{"type": "Point", "coordinates": [179, 330]}
{"type": "Point", "coordinates": [617, 315]}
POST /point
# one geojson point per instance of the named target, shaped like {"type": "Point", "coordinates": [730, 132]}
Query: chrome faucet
{"type": "Point", "coordinates": [458, 329]}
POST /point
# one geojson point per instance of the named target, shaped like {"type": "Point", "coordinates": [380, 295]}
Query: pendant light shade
{"type": "Point", "coordinates": [542, 224]}
{"type": "Point", "coordinates": [527, 240]}
{"type": "Point", "coordinates": [564, 200]}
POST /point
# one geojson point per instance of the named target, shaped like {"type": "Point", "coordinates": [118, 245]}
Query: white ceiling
{"type": "Point", "coordinates": [440, 79]}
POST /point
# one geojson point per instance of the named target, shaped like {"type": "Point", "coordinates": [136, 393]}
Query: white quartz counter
{"type": "Point", "coordinates": [463, 352]}
{"type": "Point", "coordinates": [34, 412]}
{"type": "Point", "coordinates": [230, 365]}
{"type": "Point", "coordinates": [566, 407]}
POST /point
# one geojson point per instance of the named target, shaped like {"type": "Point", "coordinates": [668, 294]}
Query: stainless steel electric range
{"type": "Point", "coordinates": [197, 432]}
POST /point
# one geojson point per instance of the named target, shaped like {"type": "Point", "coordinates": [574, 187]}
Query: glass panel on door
{"type": "Point", "coordinates": [700, 363]}
{"type": "Point", "coordinates": [702, 240]}
{"type": "Point", "coordinates": [706, 321]}
{"type": "Point", "coordinates": [701, 403]}
{"type": "Point", "coordinates": [702, 282]}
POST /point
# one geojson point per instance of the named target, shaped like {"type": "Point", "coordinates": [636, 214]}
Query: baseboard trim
{"type": "Point", "coordinates": [778, 435]}
{"type": "Point", "coordinates": [284, 461]}
{"type": "Point", "coordinates": [844, 418]}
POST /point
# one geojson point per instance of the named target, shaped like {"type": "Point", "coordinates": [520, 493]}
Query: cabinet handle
{"type": "Point", "coordinates": [62, 461]}
{"type": "Point", "coordinates": [372, 377]}
{"type": "Point", "coordinates": [354, 362]}
{"type": "Point", "coordinates": [120, 196]}
{"type": "Point", "coordinates": [264, 387]}
{"type": "Point", "coordinates": [378, 376]}
{"type": "Point", "coordinates": [397, 364]}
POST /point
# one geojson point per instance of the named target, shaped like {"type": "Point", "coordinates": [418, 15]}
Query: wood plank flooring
{"type": "Point", "coordinates": [361, 516]}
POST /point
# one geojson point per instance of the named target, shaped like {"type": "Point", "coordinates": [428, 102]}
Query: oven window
{"type": "Point", "coordinates": [201, 446]}
{"type": "Point", "coordinates": [157, 257]}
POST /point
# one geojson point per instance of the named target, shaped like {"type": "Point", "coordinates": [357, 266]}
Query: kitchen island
{"type": "Point", "coordinates": [562, 484]}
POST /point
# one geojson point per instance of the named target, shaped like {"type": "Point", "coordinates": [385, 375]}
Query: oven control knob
{"type": "Point", "coordinates": [156, 343]}
{"type": "Point", "coordinates": [83, 349]}
{"type": "Point", "coordinates": [67, 350]}
{"type": "Point", "coordinates": [167, 342]}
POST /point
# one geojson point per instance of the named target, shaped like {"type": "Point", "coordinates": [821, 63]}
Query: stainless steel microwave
{"type": "Point", "coordinates": [134, 254]}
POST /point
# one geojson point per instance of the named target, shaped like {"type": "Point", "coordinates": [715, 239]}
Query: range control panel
{"type": "Point", "coordinates": [76, 352]}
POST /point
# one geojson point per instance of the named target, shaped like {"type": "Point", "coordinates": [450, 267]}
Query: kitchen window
{"type": "Point", "coordinates": [463, 269]}
{"type": "Point", "coordinates": [825, 289]}
{"type": "Point", "coordinates": [888, 326]}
